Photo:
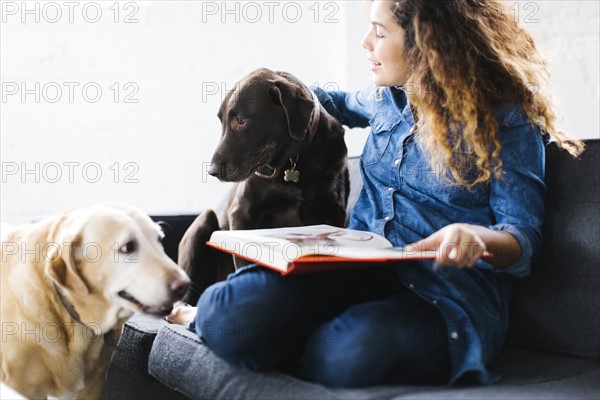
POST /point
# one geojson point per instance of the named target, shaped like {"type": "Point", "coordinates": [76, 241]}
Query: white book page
{"type": "Point", "coordinates": [280, 246]}
{"type": "Point", "coordinates": [390, 253]}
{"type": "Point", "coordinates": [322, 239]}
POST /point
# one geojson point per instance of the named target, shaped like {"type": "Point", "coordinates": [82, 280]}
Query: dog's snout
{"type": "Point", "coordinates": [179, 287]}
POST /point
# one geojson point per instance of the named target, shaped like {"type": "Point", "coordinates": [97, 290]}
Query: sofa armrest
{"type": "Point", "coordinates": [127, 376]}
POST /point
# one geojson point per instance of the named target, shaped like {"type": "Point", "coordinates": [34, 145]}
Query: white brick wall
{"type": "Point", "coordinates": [177, 61]}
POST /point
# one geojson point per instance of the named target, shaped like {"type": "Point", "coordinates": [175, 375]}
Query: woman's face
{"type": "Point", "coordinates": [384, 43]}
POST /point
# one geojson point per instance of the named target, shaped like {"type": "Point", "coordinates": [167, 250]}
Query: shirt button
{"type": "Point", "coordinates": [454, 335]}
{"type": "Point", "coordinates": [387, 218]}
{"type": "Point", "coordinates": [390, 189]}
{"type": "Point", "coordinates": [396, 162]}
{"type": "Point", "coordinates": [434, 301]}
{"type": "Point", "coordinates": [412, 286]}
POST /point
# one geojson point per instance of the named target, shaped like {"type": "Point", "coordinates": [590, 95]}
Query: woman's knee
{"type": "Point", "coordinates": [244, 290]}
{"type": "Point", "coordinates": [221, 328]}
{"type": "Point", "coordinates": [237, 320]}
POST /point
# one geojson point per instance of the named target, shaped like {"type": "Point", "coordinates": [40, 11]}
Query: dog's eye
{"type": "Point", "coordinates": [239, 121]}
{"type": "Point", "coordinates": [128, 247]}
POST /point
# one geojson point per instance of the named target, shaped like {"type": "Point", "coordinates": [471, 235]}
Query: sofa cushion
{"type": "Point", "coordinates": [557, 308]}
{"type": "Point", "coordinates": [180, 360]}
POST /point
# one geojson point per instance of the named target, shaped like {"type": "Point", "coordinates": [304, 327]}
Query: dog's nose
{"type": "Point", "coordinates": [179, 287]}
{"type": "Point", "coordinates": [213, 169]}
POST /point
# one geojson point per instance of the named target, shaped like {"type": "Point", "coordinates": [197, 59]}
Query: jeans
{"type": "Point", "coordinates": [347, 328]}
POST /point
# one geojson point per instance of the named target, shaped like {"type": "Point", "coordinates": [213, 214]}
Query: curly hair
{"type": "Point", "coordinates": [469, 58]}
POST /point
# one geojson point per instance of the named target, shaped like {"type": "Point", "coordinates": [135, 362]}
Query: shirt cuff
{"type": "Point", "coordinates": [191, 326]}
{"type": "Point", "coordinates": [327, 102]}
{"type": "Point", "coordinates": [522, 267]}
{"type": "Point", "coordinates": [322, 95]}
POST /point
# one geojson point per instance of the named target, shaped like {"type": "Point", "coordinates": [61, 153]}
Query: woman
{"type": "Point", "coordinates": [460, 113]}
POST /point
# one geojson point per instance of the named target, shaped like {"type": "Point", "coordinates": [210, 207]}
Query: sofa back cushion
{"type": "Point", "coordinates": [558, 307]}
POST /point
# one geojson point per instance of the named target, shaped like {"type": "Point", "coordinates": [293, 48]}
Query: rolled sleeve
{"type": "Point", "coordinates": [517, 198]}
{"type": "Point", "coordinates": [522, 266]}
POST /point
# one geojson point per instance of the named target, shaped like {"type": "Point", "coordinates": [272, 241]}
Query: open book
{"type": "Point", "coordinates": [312, 248]}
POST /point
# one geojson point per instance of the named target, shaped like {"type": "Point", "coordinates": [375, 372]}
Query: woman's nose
{"type": "Point", "coordinates": [365, 43]}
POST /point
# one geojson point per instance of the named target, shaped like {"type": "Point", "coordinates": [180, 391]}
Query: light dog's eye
{"type": "Point", "coordinates": [128, 248]}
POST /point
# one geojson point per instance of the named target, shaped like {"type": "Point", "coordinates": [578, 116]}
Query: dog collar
{"type": "Point", "coordinates": [292, 174]}
{"type": "Point", "coordinates": [315, 117]}
{"type": "Point", "coordinates": [272, 175]}
{"type": "Point", "coordinates": [109, 339]}
{"type": "Point", "coordinates": [67, 305]}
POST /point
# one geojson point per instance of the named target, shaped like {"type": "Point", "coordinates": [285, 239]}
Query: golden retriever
{"type": "Point", "coordinates": [68, 281]}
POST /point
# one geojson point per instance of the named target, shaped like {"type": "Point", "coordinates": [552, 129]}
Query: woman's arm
{"type": "Point", "coordinates": [351, 109]}
{"type": "Point", "coordinates": [516, 201]}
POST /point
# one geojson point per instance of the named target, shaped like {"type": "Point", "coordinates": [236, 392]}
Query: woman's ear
{"type": "Point", "coordinates": [296, 107]}
{"type": "Point", "coordinates": [61, 266]}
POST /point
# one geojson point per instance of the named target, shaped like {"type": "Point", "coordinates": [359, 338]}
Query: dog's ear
{"type": "Point", "coordinates": [61, 265]}
{"type": "Point", "coordinates": [297, 108]}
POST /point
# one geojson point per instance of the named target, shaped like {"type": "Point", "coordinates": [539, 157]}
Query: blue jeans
{"type": "Point", "coordinates": [357, 327]}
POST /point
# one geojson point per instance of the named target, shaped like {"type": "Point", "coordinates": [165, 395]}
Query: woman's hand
{"type": "Point", "coordinates": [458, 245]}
{"type": "Point", "coordinates": [462, 245]}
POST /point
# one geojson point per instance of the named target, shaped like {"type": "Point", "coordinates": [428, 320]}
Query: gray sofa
{"type": "Point", "coordinates": [552, 352]}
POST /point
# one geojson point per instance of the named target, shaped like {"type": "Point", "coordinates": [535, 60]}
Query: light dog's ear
{"type": "Point", "coordinates": [61, 266]}
{"type": "Point", "coordinates": [296, 107]}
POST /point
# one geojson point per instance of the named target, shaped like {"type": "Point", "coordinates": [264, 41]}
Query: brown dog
{"type": "Point", "coordinates": [288, 157]}
{"type": "Point", "coordinates": [67, 282]}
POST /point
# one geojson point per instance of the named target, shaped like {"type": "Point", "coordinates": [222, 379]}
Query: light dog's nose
{"type": "Point", "coordinates": [179, 287]}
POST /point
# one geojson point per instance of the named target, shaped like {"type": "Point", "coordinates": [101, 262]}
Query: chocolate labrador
{"type": "Point", "coordinates": [287, 156]}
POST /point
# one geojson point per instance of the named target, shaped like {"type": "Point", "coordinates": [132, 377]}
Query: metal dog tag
{"type": "Point", "coordinates": [291, 175]}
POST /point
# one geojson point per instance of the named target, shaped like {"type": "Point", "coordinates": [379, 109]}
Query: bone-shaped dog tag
{"type": "Point", "coordinates": [291, 175]}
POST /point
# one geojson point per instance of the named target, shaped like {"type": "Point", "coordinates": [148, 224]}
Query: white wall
{"type": "Point", "coordinates": [175, 60]}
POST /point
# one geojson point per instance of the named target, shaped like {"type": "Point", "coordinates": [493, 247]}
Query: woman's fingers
{"type": "Point", "coordinates": [457, 245]}
{"type": "Point", "coordinates": [462, 248]}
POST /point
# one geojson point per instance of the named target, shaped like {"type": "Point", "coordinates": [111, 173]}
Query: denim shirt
{"type": "Point", "coordinates": [405, 199]}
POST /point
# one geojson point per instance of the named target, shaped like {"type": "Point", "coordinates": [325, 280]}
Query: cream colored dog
{"type": "Point", "coordinates": [69, 281]}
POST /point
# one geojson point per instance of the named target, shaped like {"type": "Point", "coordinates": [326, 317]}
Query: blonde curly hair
{"type": "Point", "coordinates": [468, 58]}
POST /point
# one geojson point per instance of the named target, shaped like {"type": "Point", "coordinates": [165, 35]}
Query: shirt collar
{"type": "Point", "coordinates": [400, 102]}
